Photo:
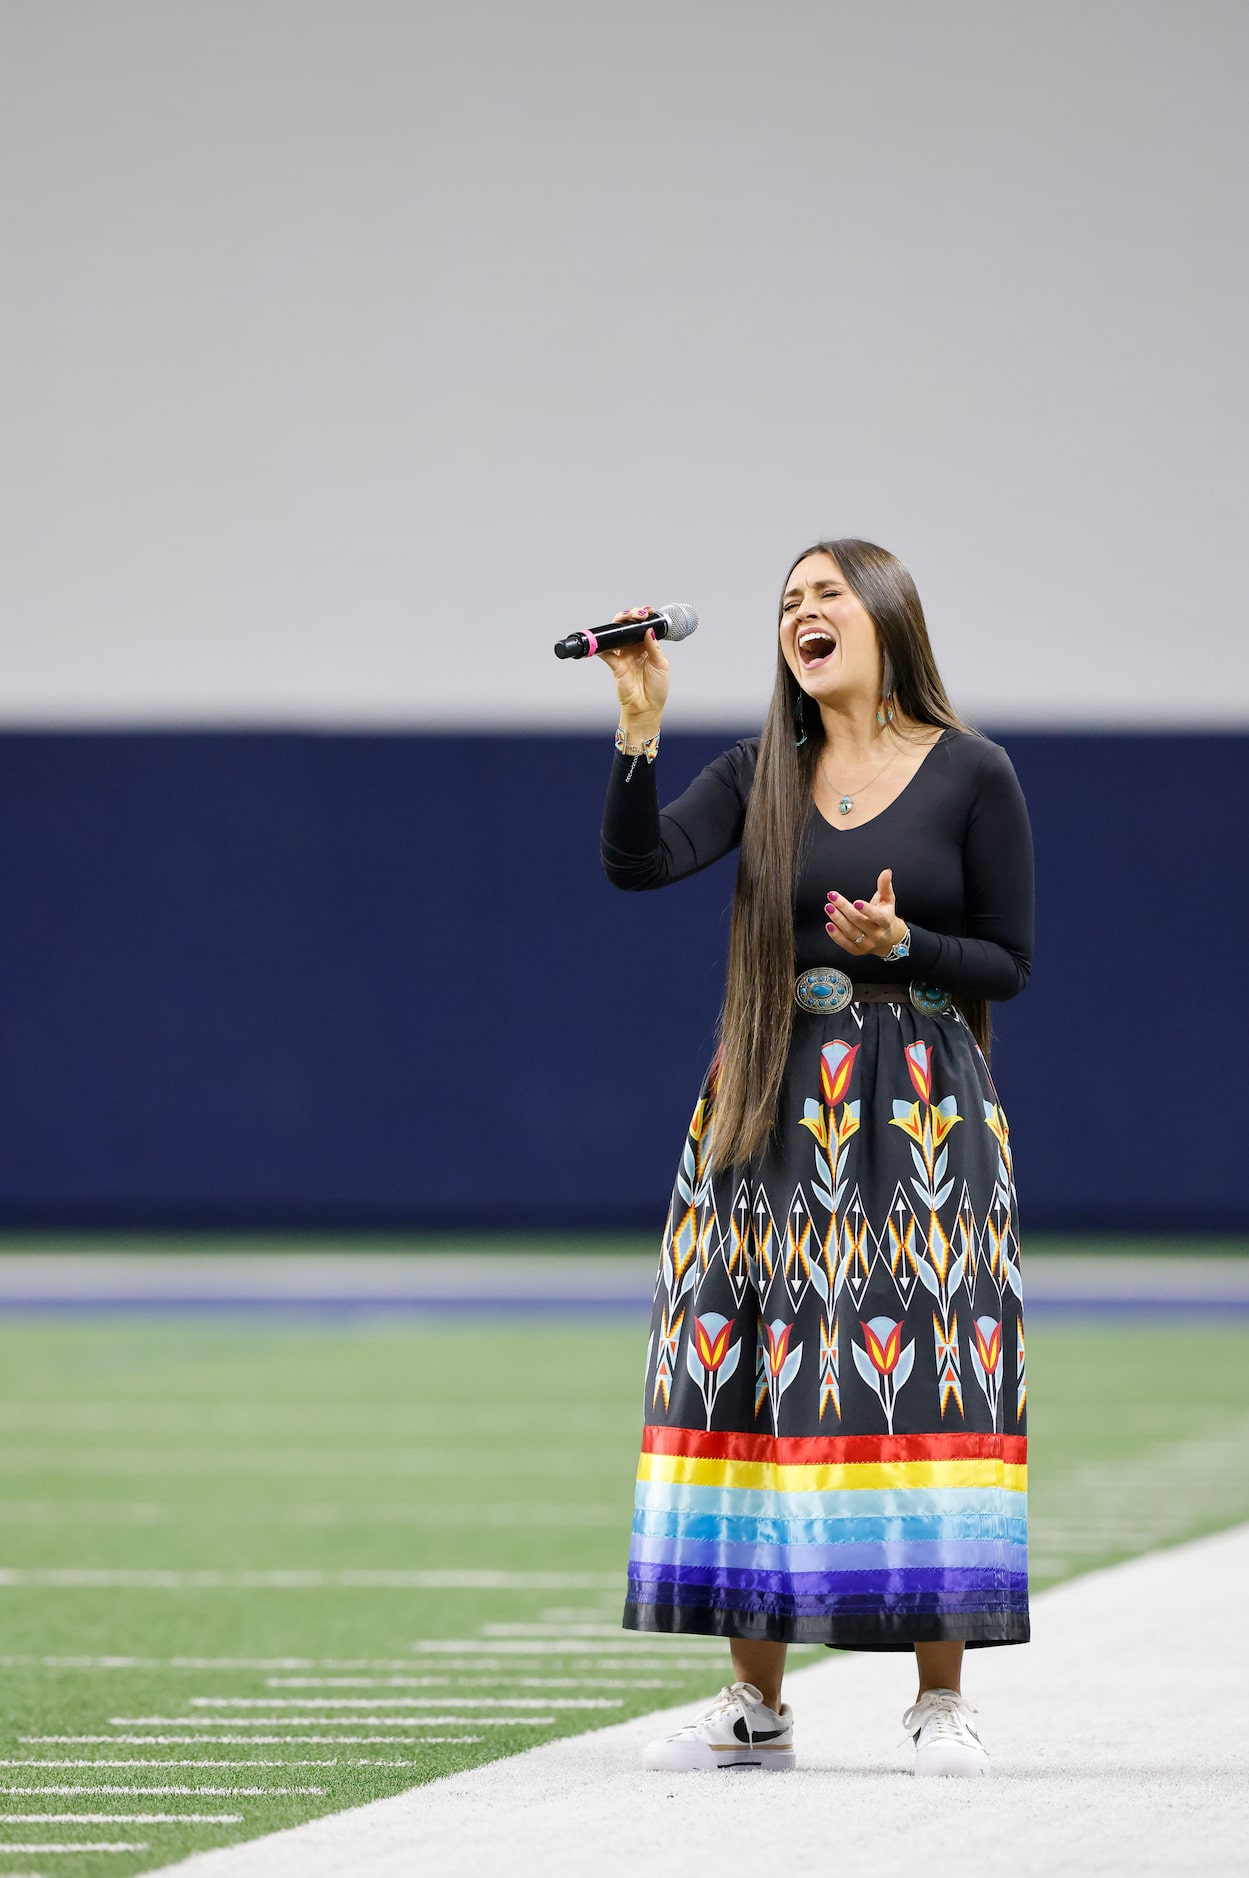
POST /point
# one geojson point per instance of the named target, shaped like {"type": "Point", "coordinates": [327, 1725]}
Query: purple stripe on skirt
{"type": "Point", "coordinates": [925, 1588]}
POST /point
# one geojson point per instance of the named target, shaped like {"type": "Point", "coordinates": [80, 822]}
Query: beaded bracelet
{"type": "Point", "coordinates": [649, 749]}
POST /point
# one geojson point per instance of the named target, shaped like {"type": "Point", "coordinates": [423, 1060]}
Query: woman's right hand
{"type": "Point", "coordinates": [641, 674]}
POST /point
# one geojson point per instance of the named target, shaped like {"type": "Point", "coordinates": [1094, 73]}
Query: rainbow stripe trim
{"type": "Point", "coordinates": [830, 1526]}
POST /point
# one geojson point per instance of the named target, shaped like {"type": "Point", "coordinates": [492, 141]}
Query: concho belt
{"type": "Point", "coordinates": [825, 991]}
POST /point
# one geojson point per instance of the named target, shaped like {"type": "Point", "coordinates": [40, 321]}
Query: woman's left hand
{"type": "Point", "coordinates": [862, 926]}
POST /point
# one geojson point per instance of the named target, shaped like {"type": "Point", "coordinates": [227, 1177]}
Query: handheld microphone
{"type": "Point", "coordinates": [670, 622]}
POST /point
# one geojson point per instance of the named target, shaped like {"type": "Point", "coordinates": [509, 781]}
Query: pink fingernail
{"type": "Point", "coordinates": [858, 906]}
{"type": "Point", "coordinates": [832, 899]}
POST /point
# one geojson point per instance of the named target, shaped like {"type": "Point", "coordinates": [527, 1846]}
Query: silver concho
{"type": "Point", "coordinates": [929, 1000]}
{"type": "Point", "coordinates": [823, 990]}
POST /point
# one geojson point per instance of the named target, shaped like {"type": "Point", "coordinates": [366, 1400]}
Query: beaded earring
{"type": "Point", "coordinates": [800, 721]}
{"type": "Point", "coordinates": [884, 710]}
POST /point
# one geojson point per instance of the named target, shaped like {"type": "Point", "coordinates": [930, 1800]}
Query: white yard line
{"type": "Point", "coordinates": [572, 1646]}
{"type": "Point", "coordinates": [1116, 1739]}
{"type": "Point", "coordinates": [608, 1631]}
{"type": "Point", "coordinates": [71, 1851]}
{"type": "Point", "coordinates": [397, 1663]}
{"type": "Point", "coordinates": [210, 1662]}
{"type": "Point", "coordinates": [470, 1682]}
{"type": "Point", "coordinates": [156, 1793]}
{"type": "Point", "coordinates": [272, 1702]}
{"type": "Point", "coordinates": [254, 1741]}
{"type": "Point", "coordinates": [330, 1721]}
{"type": "Point", "coordinates": [73, 1578]}
{"type": "Point", "coordinates": [72, 1512]}
{"type": "Point", "coordinates": [120, 1819]}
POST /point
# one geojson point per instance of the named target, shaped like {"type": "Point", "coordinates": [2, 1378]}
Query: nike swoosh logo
{"type": "Point", "coordinates": [743, 1733]}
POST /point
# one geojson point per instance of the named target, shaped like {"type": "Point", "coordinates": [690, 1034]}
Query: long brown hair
{"type": "Point", "coordinates": [757, 1018]}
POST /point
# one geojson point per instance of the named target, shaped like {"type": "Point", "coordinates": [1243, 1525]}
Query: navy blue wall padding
{"type": "Point", "coordinates": [354, 981]}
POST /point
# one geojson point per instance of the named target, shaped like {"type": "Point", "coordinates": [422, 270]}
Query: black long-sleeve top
{"type": "Point", "coordinates": [957, 839]}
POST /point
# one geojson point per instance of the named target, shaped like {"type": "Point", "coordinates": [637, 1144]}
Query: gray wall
{"type": "Point", "coordinates": [352, 351]}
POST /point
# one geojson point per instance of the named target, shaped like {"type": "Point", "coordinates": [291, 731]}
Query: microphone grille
{"type": "Point", "coordinates": [682, 620]}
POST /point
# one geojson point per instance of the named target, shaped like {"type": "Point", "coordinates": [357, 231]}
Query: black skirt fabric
{"type": "Point", "coordinates": [835, 1448]}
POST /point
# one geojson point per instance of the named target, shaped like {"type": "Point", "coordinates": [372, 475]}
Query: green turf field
{"type": "Point", "coordinates": [261, 1501]}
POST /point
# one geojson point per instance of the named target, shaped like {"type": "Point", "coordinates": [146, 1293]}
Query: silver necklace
{"type": "Point", "coordinates": [846, 804]}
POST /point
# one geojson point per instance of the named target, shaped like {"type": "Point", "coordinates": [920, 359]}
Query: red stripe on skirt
{"type": "Point", "coordinates": [829, 1450]}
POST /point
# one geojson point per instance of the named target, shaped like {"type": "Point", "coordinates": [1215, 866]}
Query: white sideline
{"type": "Point", "coordinates": [1118, 1739]}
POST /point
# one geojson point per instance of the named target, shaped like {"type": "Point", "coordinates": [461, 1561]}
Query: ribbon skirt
{"type": "Point", "coordinates": [835, 1447]}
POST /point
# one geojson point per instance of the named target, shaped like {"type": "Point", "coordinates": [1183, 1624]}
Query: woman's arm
{"type": "Point", "coordinates": [644, 846]}
{"type": "Point", "coordinates": [994, 958]}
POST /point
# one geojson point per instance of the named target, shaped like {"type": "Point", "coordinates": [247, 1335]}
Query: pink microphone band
{"type": "Point", "coordinates": [592, 642]}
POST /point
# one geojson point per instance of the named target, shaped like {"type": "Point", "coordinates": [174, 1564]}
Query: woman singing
{"type": "Point", "coordinates": [835, 1446]}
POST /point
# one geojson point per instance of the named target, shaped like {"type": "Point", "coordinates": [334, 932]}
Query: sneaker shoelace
{"type": "Point", "coordinates": [727, 1700]}
{"type": "Point", "coordinates": [942, 1710]}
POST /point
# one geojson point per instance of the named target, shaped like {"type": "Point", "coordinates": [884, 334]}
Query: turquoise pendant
{"type": "Point", "coordinates": [845, 805]}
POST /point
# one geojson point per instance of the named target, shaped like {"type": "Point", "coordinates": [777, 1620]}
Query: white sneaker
{"type": "Point", "coordinates": [736, 1731]}
{"type": "Point", "coordinates": [945, 1741]}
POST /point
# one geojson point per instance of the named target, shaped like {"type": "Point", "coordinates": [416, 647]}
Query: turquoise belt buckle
{"type": "Point", "coordinates": [929, 1000]}
{"type": "Point", "coordinates": [823, 990]}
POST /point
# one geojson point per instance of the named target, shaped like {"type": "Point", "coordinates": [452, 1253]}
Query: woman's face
{"type": "Point", "coordinates": [827, 638]}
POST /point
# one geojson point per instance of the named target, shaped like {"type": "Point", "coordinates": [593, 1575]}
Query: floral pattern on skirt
{"type": "Point", "coordinates": [835, 1446]}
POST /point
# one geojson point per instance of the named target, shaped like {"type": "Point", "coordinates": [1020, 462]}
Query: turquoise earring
{"type": "Point", "coordinates": [800, 721]}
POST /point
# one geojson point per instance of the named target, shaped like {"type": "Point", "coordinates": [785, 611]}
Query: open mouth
{"type": "Point", "coordinates": [815, 646]}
